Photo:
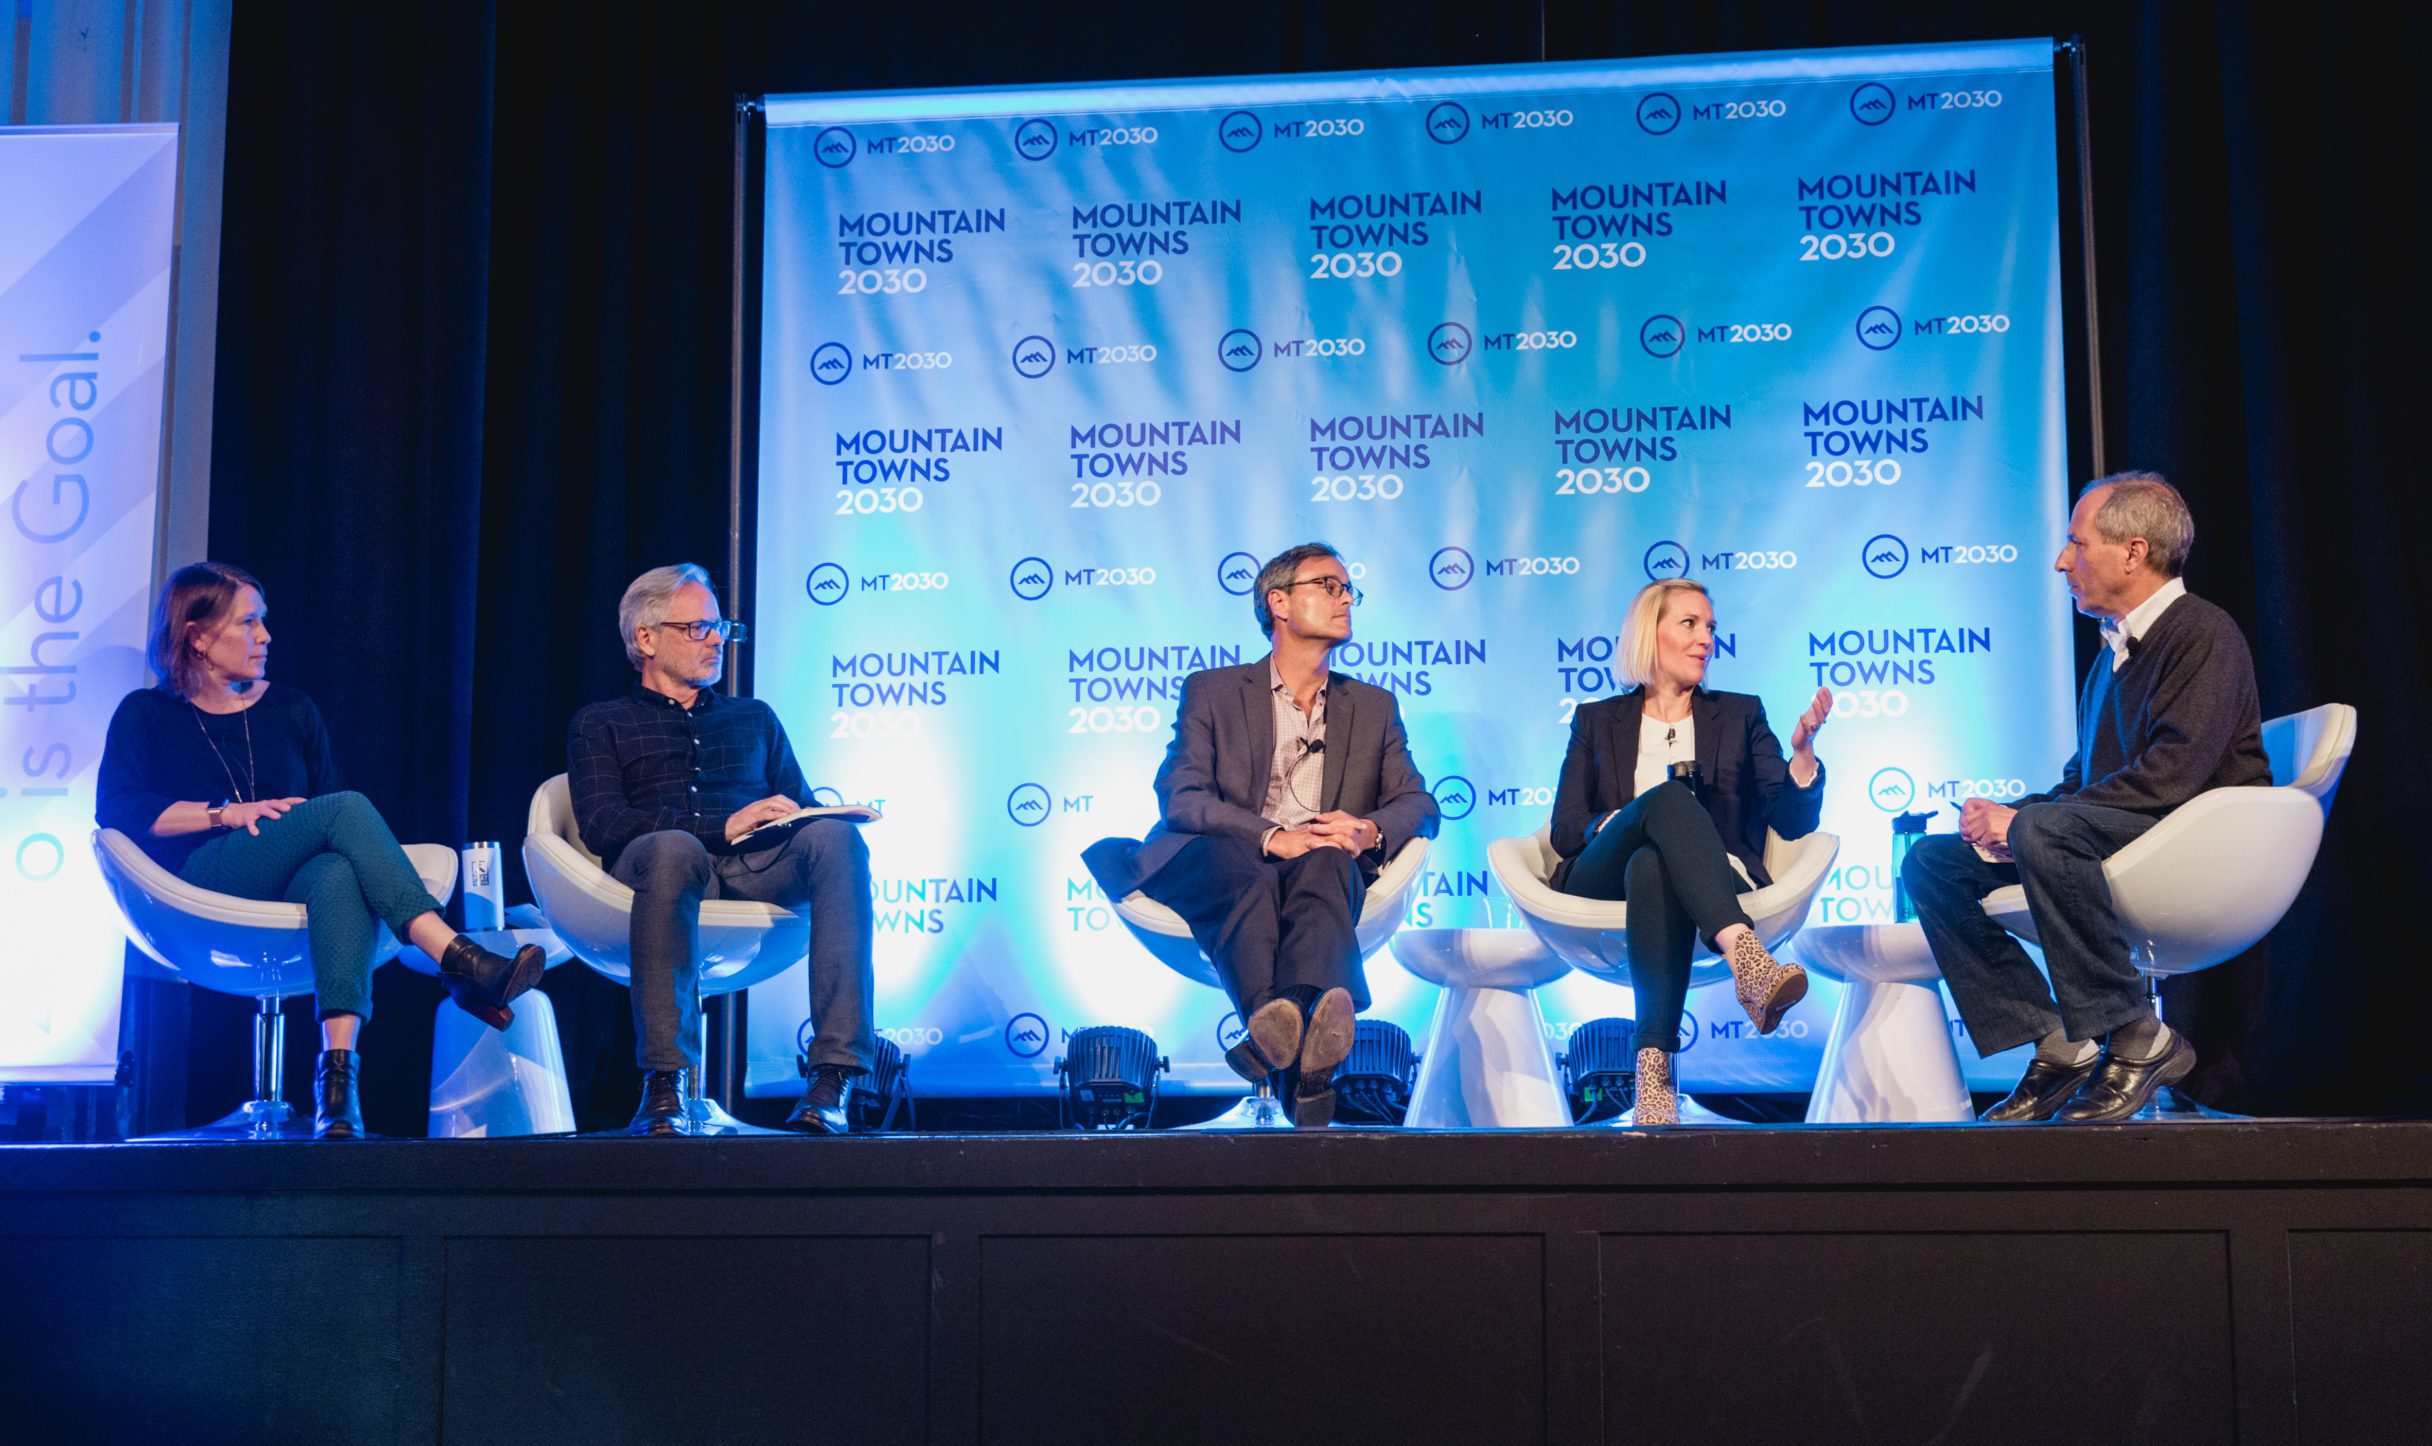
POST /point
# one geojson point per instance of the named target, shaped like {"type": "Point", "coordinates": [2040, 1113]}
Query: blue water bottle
{"type": "Point", "coordinates": [1907, 828]}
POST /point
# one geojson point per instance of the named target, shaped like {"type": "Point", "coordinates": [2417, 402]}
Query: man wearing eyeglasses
{"type": "Point", "coordinates": [666, 783]}
{"type": "Point", "coordinates": [1285, 789]}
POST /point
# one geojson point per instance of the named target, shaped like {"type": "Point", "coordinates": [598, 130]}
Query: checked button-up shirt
{"type": "Point", "coordinates": [645, 762]}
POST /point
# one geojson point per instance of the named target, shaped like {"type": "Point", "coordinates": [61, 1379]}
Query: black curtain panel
{"type": "Point", "coordinates": [347, 457]}
{"type": "Point", "coordinates": [473, 375]}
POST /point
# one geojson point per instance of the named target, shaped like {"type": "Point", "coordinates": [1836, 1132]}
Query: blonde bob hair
{"type": "Point", "coordinates": [1634, 659]}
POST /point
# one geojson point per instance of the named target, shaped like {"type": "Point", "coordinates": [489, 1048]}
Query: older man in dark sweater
{"type": "Point", "coordinates": [668, 783]}
{"type": "Point", "coordinates": [2168, 711]}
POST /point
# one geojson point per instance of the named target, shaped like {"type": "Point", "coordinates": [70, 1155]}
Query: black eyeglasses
{"type": "Point", "coordinates": [701, 630]}
{"type": "Point", "coordinates": [1335, 588]}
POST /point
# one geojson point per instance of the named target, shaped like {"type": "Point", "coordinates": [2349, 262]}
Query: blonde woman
{"type": "Point", "coordinates": [1667, 791]}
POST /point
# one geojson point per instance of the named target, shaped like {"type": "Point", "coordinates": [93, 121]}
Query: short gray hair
{"type": "Point", "coordinates": [2144, 504]}
{"type": "Point", "coordinates": [646, 598]}
{"type": "Point", "coordinates": [1280, 571]}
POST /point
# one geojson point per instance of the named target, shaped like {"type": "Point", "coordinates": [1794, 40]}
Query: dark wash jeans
{"type": "Point", "coordinates": [2060, 848]}
{"type": "Point", "coordinates": [1269, 926]}
{"type": "Point", "coordinates": [823, 866]}
{"type": "Point", "coordinates": [335, 856]}
{"type": "Point", "coordinates": [1664, 855]}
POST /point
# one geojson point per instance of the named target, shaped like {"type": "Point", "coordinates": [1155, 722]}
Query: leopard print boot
{"type": "Point", "coordinates": [1766, 986]}
{"type": "Point", "coordinates": [1657, 1103]}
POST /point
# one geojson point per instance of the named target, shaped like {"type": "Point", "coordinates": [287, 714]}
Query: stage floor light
{"type": "Point", "coordinates": [885, 1092]}
{"type": "Point", "coordinates": [1108, 1077]}
{"type": "Point", "coordinates": [1600, 1069]}
{"type": "Point", "coordinates": [1374, 1083]}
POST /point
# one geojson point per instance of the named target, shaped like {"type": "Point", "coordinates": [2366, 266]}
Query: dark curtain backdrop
{"type": "Point", "coordinates": [472, 377]}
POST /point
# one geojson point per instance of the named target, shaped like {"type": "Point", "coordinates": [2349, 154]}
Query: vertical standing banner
{"type": "Point", "coordinates": [1046, 373]}
{"type": "Point", "coordinates": [84, 313]}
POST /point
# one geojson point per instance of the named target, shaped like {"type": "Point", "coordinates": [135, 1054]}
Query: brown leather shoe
{"type": "Point", "coordinates": [1658, 1103]}
{"type": "Point", "coordinates": [1766, 986]}
{"type": "Point", "coordinates": [1324, 1045]}
{"type": "Point", "coordinates": [826, 1107]}
{"type": "Point", "coordinates": [1270, 1040]}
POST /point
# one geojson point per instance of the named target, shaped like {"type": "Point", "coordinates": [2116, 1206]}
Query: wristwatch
{"type": "Point", "coordinates": [215, 815]}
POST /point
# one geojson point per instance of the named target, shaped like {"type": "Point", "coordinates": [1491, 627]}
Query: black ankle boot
{"type": "Point", "coordinates": [337, 1114]}
{"type": "Point", "coordinates": [482, 983]}
{"type": "Point", "coordinates": [662, 1111]}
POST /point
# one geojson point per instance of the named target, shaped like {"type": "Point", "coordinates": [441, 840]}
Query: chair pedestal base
{"type": "Point", "coordinates": [1889, 1059]}
{"type": "Point", "coordinates": [704, 1116]}
{"type": "Point", "coordinates": [486, 1083]}
{"type": "Point", "coordinates": [1693, 1116]}
{"type": "Point", "coordinates": [252, 1120]}
{"type": "Point", "coordinates": [1697, 1116]}
{"type": "Point", "coordinates": [266, 1116]}
{"type": "Point", "coordinates": [1487, 1065]}
{"type": "Point", "coordinates": [2168, 1106]}
{"type": "Point", "coordinates": [1261, 1111]}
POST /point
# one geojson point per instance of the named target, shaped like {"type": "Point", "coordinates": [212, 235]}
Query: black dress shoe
{"type": "Point", "coordinates": [482, 983]}
{"type": "Point", "coordinates": [2121, 1087]}
{"type": "Point", "coordinates": [662, 1111]}
{"type": "Point", "coordinates": [826, 1107]}
{"type": "Point", "coordinates": [1269, 1041]}
{"type": "Point", "coordinates": [1333, 1024]}
{"type": "Point", "coordinates": [337, 1114]}
{"type": "Point", "coordinates": [2044, 1089]}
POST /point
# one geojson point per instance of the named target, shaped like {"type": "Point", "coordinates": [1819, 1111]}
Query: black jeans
{"type": "Point", "coordinates": [1269, 926]}
{"type": "Point", "coordinates": [1664, 855]}
{"type": "Point", "coordinates": [824, 868]}
{"type": "Point", "coordinates": [2060, 848]}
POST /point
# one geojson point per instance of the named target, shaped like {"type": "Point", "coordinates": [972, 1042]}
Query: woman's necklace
{"type": "Point", "coordinates": [1671, 725]}
{"type": "Point", "coordinates": [250, 779]}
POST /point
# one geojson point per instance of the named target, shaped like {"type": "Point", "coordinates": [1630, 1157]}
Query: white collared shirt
{"type": "Point", "coordinates": [1295, 773]}
{"type": "Point", "coordinates": [2139, 620]}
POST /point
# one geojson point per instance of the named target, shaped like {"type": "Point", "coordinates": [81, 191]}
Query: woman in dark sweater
{"type": "Point", "coordinates": [228, 782]}
{"type": "Point", "coordinates": [1627, 826]}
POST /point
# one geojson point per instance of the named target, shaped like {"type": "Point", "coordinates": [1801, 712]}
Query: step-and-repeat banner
{"type": "Point", "coordinates": [84, 312]}
{"type": "Point", "coordinates": [1046, 373]}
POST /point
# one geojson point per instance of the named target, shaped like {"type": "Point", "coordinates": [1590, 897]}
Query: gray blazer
{"type": "Point", "coordinates": [1214, 778]}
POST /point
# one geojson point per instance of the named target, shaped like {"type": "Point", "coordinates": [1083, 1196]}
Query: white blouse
{"type": "Point", "coordinates": [1660, 745]}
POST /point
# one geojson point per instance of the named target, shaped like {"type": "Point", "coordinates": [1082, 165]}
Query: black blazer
{"type": "Point", "coordinates": [1748, 787]}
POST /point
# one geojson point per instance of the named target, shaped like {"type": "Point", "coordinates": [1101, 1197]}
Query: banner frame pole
{"type": "Point", "coordinates": [725, 1012]}
{"type": "Point", "coordinates": [2075, 49]}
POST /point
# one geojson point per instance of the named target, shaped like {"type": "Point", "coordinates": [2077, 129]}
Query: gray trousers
{"type": "Point", "coordinates": [823, 867]}
{"type": "Point", "coordinates": [2060, 848]}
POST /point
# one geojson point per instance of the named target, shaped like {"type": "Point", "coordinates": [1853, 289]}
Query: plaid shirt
{"type": "Point", "coordinates": [645, 762]}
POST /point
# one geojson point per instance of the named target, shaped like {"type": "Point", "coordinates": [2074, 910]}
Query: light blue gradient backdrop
{"type": "Point", "coordinates": [980, 991]}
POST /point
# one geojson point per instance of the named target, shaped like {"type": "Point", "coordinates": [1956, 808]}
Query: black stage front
{"type": "Point", "coordinates": [2203, 1283]}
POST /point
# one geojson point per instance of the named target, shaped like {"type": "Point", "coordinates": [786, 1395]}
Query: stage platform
{"type": "Point", "coordinates": [2261, 1282]}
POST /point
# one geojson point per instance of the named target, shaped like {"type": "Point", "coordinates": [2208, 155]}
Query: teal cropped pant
{"type": "Point", "coordinates": [335, 856]}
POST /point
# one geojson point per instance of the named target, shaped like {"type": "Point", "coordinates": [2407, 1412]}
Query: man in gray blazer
{"type": "Point", "coordinates": [1286, 788]}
